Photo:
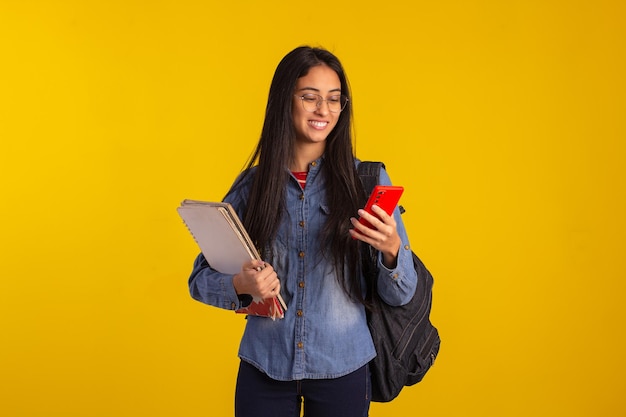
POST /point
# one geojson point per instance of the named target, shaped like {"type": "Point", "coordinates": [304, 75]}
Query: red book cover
{"type": "Point", "coordinates": [270, 307]}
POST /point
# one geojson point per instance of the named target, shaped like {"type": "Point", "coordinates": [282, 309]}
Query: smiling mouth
{"type": "Point", "coordinates": [317, 124]}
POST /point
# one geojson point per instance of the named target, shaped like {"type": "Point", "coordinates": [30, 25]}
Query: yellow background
{"type": "Point", "coordinates": [503, 120]}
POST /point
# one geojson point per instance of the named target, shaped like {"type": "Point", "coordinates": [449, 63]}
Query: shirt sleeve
{"type": "Point", "coordinates": [212, 287]}
{"type": "Point", "coordinates": [396, 286]}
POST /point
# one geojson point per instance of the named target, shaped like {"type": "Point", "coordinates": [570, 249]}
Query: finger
{"type": "Point", "coordinates": [267, 273]}
{"type": "Point", "coordinates": [268, 278]}
{"type": "Point", "coordinates": [359, 231]}
{"type": "Point", "coordinates": [254, 265]}
{"type": "Point", "coordinates": [382, 214]}
{"type": "Point", "coordinates": [371, 219]}
{"type": "Point", "coordinates": [272, 290]}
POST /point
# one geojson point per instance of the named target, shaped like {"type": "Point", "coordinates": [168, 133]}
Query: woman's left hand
{"type": "Point", "coordinates": [383, 237]}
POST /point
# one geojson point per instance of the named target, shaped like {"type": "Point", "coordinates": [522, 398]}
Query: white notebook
{"type": "Point", "coordinates": [218, 231]}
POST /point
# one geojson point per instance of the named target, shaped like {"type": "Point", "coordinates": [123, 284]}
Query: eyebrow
{"type": "Point", "coordinates": [317, 90]}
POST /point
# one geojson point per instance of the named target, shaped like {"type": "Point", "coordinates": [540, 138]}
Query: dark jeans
{"type": "Point", "coordinates": [257, 395]}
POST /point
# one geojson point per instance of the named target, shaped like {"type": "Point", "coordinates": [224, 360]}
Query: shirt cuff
{"type": "Point", "coordinates": [233, 300]}
{"type": "Point", "coordinates": [404, 260]}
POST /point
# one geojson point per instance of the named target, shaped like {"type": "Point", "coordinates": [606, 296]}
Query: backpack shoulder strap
{"type": "Point", "coordinates": [369, 172]}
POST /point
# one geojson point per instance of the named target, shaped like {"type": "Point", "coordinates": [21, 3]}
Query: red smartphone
{"type": "Point", "coordinates": [384, 196]}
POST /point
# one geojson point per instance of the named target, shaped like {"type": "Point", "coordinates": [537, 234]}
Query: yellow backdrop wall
{"type": "Point", "coordinates": [503, 120]}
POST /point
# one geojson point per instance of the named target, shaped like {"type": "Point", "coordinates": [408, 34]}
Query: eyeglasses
{"type": "Point", "coordinates": [312, 102]}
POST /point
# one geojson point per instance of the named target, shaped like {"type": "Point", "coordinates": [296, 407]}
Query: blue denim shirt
{"type": "Point", "coordinates": [324, 334]}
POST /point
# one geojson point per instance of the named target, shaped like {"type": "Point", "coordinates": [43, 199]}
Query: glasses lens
{"type": "Point", "coordinates": [312, 102]}
{"type": "Point", "coordinates": [336, 103]}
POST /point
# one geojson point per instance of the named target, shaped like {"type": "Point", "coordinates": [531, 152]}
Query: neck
{"type": "Point", "coordinates": [304, 155]}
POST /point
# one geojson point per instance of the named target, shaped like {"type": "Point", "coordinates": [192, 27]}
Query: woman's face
{"type": "Point", "coordinates": [315, 126]}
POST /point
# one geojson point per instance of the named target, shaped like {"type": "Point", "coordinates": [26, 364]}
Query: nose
{"type": "Point", "coordinates": [323, 107]}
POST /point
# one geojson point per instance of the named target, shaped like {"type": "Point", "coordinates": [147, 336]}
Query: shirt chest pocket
{"type": "Point", "coordinates": [317, 221]}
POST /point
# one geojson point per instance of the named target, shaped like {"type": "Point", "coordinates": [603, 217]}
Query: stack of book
{"type": "Point", "coordinates": [225, 244]}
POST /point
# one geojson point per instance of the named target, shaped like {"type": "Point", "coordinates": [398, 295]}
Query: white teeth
{"type": "Point", "coordinates": [318, 124]}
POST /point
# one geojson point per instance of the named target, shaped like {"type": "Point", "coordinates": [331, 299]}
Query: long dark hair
{"type": "Point", "coordinates": [274, 153]}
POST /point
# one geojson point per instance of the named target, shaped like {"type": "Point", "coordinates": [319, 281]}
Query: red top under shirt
{"type": "Point", "coordinates": [301, 177]}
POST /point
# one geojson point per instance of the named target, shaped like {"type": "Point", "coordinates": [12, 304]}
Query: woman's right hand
{"type": "Point", "coordinates": [258, 279]}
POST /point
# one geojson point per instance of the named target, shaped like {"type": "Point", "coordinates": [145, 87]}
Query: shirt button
{"type": "Point", "coordinates": [233, 305]}
{"type": "Point", "coordinates": [314, 163]}
{"type": "Point", "coordinates": [301, 254]}
{"type": "Point", "coordinates": [301, 197]}
{"type": "Point", "coordinates": [301, 284]}
{"type": "Point", "coordinates": [406, 247]}
{"type": "Point", "coordinates": [301, 224]}
{"type": "Point", "coordinates": [395, 276]}
{"type": "Point", "coordinates": [300, 345]}
{"type": "Point", "coordinates": [299, 313]}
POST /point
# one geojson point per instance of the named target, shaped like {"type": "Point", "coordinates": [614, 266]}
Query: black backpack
{"type": "Point", "coordinates": [406, 341]}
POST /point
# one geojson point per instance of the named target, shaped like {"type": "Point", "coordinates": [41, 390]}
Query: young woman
{"type": "Point", "coordinates": [299, 198]}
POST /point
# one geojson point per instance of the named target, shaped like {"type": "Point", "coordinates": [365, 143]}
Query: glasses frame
{"type": "Point", "coordinates": [321, 99]}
